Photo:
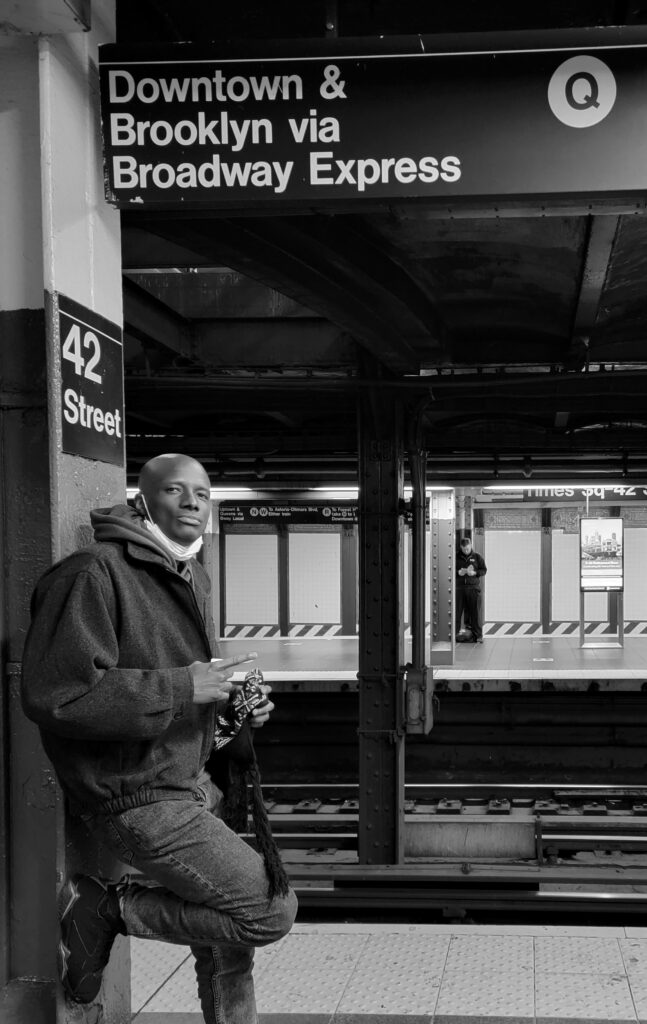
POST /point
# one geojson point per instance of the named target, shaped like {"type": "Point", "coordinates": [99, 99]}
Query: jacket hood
{"type": "Point", "coordinates": [124, 523]}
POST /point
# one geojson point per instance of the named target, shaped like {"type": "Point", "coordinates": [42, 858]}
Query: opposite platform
{"type": "Point", "coordinates": [419, 974]}
{"type": "Point", "coordinates": [292, 663]}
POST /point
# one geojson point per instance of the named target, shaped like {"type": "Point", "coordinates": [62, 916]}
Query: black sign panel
{"type": "Point", "coordinates": [183, 125]}
{"type": "Point", "coordinates": [610, 493]}
{"type": "Point", "coordinates": [92, 383]}
{"type": "Point", "coordinates": [287, 512]}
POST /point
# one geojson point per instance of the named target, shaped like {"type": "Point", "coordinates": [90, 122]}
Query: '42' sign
{"type": "Point", "coordinates": [92, 383]}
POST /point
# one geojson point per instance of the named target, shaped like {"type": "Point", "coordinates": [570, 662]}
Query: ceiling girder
{"type": "Point", "coordinates": [155, 324]}
{"type": "Point", "coordinates": [287, 260]}
{"type": "Point", "coordinates": [258, 343]}
{"type": "Point", "coordinates": [601, 236]}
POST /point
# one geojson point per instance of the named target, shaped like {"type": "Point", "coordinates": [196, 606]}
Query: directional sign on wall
{"type": "Point", "coordinates": [185, 124]}
{"type": "Point", "coordinates": [273, 512]}
{"type": "Point", "coordinates": [92, 388]}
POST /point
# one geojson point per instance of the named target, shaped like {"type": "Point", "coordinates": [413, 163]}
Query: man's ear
{"type": "Point", "coordinates": [138, 502]}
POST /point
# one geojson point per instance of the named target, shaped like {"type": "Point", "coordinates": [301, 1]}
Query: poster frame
{"type": "Point", "coordinates": [611, 532]}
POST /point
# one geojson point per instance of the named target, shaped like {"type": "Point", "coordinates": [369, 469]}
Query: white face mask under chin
{"type": "Point", "coordinates": [181, 552]}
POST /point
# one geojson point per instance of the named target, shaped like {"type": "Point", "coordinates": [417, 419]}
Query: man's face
{"type": "Point", "coordinates": [466, 547]}
{"type": "Point", "coordinates": [178, 500]}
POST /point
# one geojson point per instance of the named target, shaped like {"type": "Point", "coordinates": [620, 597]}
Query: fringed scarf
{"type": "Point", "coordinates": [243, 794]}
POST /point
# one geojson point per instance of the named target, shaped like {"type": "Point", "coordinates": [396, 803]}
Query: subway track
{"type": "Point", "coordinates": [481, 852]}
{"type": "Point", "coordinates": [567, 844]}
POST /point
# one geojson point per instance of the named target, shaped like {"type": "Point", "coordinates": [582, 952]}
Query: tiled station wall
{"type": "Point", "coordinates": [509, 540]}
{"type": "Point", "coordinates": [314, 582]}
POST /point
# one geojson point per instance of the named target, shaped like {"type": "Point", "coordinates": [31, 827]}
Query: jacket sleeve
{"type": "Point", "coordinates": [71, 682]}
{"type": "Point", "coordinates": [481, 567]}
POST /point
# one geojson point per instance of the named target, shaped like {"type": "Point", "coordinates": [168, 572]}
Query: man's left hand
{"type": "Point", "coordinates": [260, 715]}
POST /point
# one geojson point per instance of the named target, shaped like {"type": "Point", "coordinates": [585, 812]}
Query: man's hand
{"type": "Point", "coordinates": [461, 572]}
{"type": "Point", "coordinates": [471, 571]}
{"type": "Point", "coordinates": [260, 715]}
{"type": "Point", "coordinates": [211, 680]}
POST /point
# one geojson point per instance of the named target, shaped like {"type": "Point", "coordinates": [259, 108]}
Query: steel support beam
{"type": "Point", "coordinates": [381, 647]}
{"type": "Point", "coordinates": [154, 323]}
{"type": "Point", "coordinates": [601, 236]}
{"type": "Point", "coordinates": [546, 568]}
{"type": "Point", "coordinates": [443, 548]}
{"type": "Point", "coordinates": [290, 261]}
{"type": "Point", "coordinates": [349, 580]}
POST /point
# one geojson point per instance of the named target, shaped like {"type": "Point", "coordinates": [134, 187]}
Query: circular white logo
{"type": "Point", "coordinates": [582, 91]}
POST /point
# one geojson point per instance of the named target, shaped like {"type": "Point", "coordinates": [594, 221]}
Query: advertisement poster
{"type": "Point", "coordinates": [601, 554]}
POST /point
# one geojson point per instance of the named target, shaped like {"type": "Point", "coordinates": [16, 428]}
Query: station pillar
{"type": "Point", "coordinates": [58, 238]}
{"type": "Point", "coordinates": [464, 513]}
{"type": "Point", "coordinates": [381, 643]}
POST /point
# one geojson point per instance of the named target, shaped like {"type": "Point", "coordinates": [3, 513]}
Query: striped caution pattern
{"type": "Point", "coordinates": [298, 629]}
{"type": "Point", "coordinates": [310, 629]}
{"type": "Point", "coordinates": [240, 631]}
{"type": "Point", "coordinates": [520, 629]}
{"type": "Point", "coordinates": [499, 630]}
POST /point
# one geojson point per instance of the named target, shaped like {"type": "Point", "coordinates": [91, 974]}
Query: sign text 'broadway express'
{"type": "Point", "coordinates": [185, 139]}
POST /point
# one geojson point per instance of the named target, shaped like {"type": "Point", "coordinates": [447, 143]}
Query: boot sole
{"type": "Point", "coordinates": [68, 896]}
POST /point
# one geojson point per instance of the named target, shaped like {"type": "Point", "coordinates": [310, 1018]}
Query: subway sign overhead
{"type": "Point", "coordinates": [184, 125]}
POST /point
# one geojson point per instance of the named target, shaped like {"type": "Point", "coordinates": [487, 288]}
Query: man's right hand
{"type": "Point", "coordinates": [211, 680]}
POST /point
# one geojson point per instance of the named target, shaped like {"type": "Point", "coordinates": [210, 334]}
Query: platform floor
{"type": "Point", "coordinates": [335, 659]}
{"type": "Point", "coordinates": [418, 974]}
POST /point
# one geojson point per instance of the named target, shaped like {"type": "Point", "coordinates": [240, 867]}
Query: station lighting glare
{"type": "Point", "coordinates": [231, 492]}
{"type": "Point", "coordinates": [324, 492]}
{"type": "Point", "coordinates": [215, 492]}
{"type": "Point", "coordinates": [546, 486]}
{"type": "Point", "coordinates": [349, 491]}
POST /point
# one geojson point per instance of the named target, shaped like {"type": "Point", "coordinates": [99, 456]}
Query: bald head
{"type": "Point", "coordinates": [161, 465]}
{"type": "Point", "coordinates": [176, 493]}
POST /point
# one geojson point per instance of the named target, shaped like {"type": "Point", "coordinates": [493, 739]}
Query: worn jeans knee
{"type": "Point", "coordinates": [276, 922]}
{"type": "Point", "coordinates": [211, 886]}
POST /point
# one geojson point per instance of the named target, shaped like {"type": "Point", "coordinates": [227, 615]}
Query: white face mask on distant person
{"type": "Point", "coordinates": [181, 552]}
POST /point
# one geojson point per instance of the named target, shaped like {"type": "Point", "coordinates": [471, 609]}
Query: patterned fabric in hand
{"type": "Point", "coordinates": [229, 722]}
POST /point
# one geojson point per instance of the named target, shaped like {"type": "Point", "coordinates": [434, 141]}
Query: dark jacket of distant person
{"type": "Point", "coordinates": [463, 561]}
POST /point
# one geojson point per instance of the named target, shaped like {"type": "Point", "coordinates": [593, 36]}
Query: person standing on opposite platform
{"type": "Point", "coordinates": [470, 566]}
{"type": "Point", "coordinates": [118, 675]}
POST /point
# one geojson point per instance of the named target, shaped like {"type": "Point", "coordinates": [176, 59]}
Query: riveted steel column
{"type": "Point", "coordinates": [349, 580]}
{"type": "Point", "coordinates": [381, 647]}
{"type": "Point", "coordinates": [546, 568]}
{"type": "Point", "coordinates": [614, 598]}
{"type": "Point", "coordinates": [442, 577]}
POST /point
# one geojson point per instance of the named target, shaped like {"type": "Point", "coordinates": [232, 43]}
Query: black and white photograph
{"type": "Point", "coordinates": [323, 512]}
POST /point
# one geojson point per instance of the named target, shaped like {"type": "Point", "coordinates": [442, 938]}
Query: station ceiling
{"type": "Point", "coordinates": [515, 331]}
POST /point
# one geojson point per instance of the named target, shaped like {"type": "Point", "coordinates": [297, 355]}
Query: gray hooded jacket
{"type": "Point", "coordinates": [105, 670]}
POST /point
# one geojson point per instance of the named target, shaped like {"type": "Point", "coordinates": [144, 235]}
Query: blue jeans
{"type": "Point", "coordinates": [209, 892]}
